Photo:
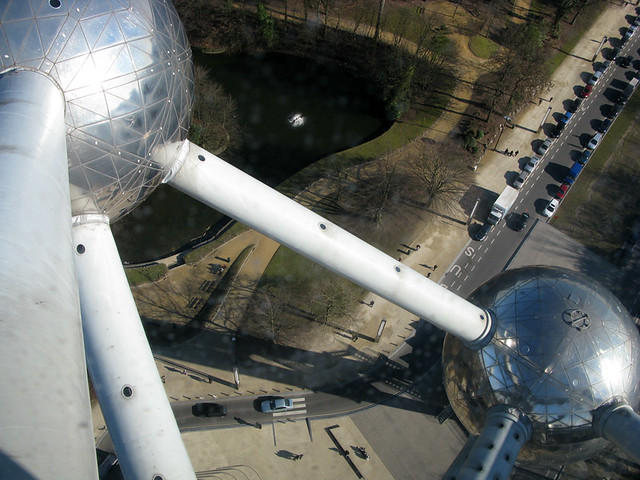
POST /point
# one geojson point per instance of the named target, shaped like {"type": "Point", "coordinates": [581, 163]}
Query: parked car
{"type": "Point", "coordinates": [586, 90]}
{"type": "Point", "coordinates": [521, 224]}
{"type": "Point", "coordinates": [584, 156]}
{"type": "Point", "coordinates": [625, 61]}
{"type": "Point", "coordinates": [604, 125]}
{"type": "Point", "coordinates": [595, 141]}
{"type": "Point", "coordinates": [557, 130]}
{"type": "Point", "coordinates": [542, 149]}
{"type": "Point", "coordinates": [636, 22]}
{"type": "Point", "coordinates": [520, 179]}
{"type": "Point", "coordinates": [613, 110]}
{"type": "Point", "coordinates": [209, 410]}
{"type": "Point", "coordinates": [551, 207]}
{"type": "Point", "coordinates": [276, 404]}
{"type": "Point", "coordinates": [533, 161]}
{"type": "Point", "coordinates": [613, 53]}
{"type": "Point", "coordinates": [576, 104]}
{"type": "Point", "coordinates": [482, 232]}
{"type": "Point", "coordinates": [604, 65]}
{"type": "Point", "coordinates": [621, 99]}
{"type": "Point", "coordinates": [562, 191]}
{"type": "Point", "coordinates": [629, 33]}
{"type": "Point", "coordinates": [594, 78]}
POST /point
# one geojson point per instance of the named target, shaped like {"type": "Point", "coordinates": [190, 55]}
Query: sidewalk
{"type": "Point", "coordinates": [210, 355]}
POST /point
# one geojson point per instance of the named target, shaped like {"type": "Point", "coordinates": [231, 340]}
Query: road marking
{"type": "Point", "coordinates": [456, 270]}
{"type": "Point", "coordinates": [299, 408]}
{"type": "Point", "coordinates": [469, 251]}
{"type": "Point", "coordinates": [473, 267]}
{"type": "Point", "coordinates": [289, 413]}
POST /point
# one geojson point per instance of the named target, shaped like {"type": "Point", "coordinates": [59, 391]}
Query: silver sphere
{"type": "Point", "coordinates": [125, 69]}
{"type": "Point", "coordinates": [563, 347]}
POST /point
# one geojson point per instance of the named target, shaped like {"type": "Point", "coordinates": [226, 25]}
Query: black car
{"type": "Point", "coordinates": [613, 53]}
{"type": "Point", "coordinates": [482, 232]}
{"type": "Point", "coordinates": [625, 61]}
{"type": "Point", "coordinates": [521, 224]}
{"type": "Point", "coordinates": [557, 130]}
{"type": "Point", "coordinates": [613, 111]}
{"type": "Point", "coordinates": [576, 104]}
{"type": "Point", "coordinates": [604, 125]}
{"type": "Point", "coordinates": [209, 410]}
{"type": "Point", "coordinates": [621, 99]}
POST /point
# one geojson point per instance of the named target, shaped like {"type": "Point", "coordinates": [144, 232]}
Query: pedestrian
{"type": "Point", "coordinates": [371, 303]}
{"type": "Point", "coordinates": [428, 274]}
{"type": "Point", "coordinates": [184, 372]}
{"type": "Point", "coordinates": [517, 152]}
{"type": "Point", "coordinates": [418, 247]}
{"type": "Point", "coordinates": [434, 267]}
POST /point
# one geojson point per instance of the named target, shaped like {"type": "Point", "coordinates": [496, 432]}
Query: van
{"type": "Point", "coordinates": [631, 86]}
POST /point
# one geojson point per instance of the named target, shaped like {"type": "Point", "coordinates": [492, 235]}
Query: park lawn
{"type": "Point", "coordinates": [603, 204]}
{"type": "Point", "coordinates": [482, 47]}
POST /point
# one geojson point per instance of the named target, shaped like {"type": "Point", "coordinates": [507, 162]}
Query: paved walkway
{"type": "Point", "coordinates": [211, 353]}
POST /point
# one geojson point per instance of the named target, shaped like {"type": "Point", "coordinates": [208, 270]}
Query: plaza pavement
{"type": "Point", "coordinates": [247, 452]}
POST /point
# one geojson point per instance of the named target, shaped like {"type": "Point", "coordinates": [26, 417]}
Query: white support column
{"type": "Point", "coordinates": [45, 414]}
{"type": "Point", "coordinates": [132, 397]}
{"type": "Point", "coordinates": [214, 182]}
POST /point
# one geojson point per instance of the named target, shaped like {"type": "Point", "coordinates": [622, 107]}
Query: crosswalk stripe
{"type": "Point", "coordinates": [289, 413]}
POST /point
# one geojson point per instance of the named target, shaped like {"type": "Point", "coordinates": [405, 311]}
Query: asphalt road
{"type": "Point", "coordinates": [480, 261]}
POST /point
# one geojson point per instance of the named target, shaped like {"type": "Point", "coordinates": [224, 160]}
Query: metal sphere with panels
{"type": "Point", "coordinates": [125, 69]}
{"type": "Point", "coordinates": [563, 347]}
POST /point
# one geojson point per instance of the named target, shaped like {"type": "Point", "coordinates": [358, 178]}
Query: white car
{"type": "Point", "coordinates": [595, 141]}
{"type": "Point", "coordinates": [551, 207]}
{"type": "Point", "coordinates": [544, 146]}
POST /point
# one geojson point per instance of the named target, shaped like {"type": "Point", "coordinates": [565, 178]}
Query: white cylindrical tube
{"type": "Point", "coordinates": [45, 414]}
{"type": "Point", "coordinates": [619, 424]}
{"type": "Point", "coordinates": [231, 191]}
{"type": "Point", "coordinates": [133, 400]}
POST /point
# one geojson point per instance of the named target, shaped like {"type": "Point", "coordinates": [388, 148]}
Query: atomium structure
{"type": "Point", "coordinates": [95, 101]}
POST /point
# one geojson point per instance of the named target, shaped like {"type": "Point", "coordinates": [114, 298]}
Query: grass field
{"type": "Point", "coordinates": [604, 203]}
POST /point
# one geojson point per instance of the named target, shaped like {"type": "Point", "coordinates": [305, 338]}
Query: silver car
{"type": "Point", "coordinates": [542, 149]}
{"type": "Point", "coordinates": [276, 404]}
{"type": "Point", "coordinates": [518, 182]}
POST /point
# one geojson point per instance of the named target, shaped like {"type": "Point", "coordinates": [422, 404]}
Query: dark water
{"type": "Point", "coordinates": [339, 111]}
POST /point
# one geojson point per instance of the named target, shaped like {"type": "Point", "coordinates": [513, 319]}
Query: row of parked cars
{"type": "Point", "coordinates": [610, 114]}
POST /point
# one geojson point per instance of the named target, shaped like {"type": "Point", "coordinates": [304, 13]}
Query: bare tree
{"type": "Point", "coordinates": [214, 123]}
{"type": "Point", "coordinates": [440, 175]}
{"type": "Point", "coordinates": [267, 315]}
{"type": "Point", "coordinates": [379, 190]}
{"type": "Point", "coordinates": [335, 304]}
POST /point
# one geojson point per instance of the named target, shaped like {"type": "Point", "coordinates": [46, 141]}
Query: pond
{"type": "Point", "coordinates": [338, 112]}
